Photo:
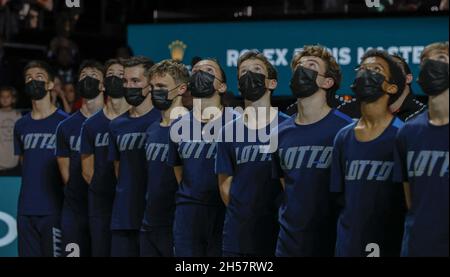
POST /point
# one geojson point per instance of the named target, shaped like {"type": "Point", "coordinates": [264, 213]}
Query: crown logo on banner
{"type": "Point", "coordinates": [177, 50]}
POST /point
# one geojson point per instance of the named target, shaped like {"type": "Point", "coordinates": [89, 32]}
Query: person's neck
{"type": "Point", "coordinates": [260, 113]}
{"type": "Point", "coordinates": [312, 109]}
{"type": "Point", "coordinates": [438, 109]}
{"type": "Point", "coordinates": [90, 107]}
{"type": "Point", "coordinates": [142, 109]}
{"type": "Point", "coordinates": [42, 108]}
{"type": "Point", "coordinates": [376, 113]}
{"type": "Point", "coordinates": [395, 107]}
{"type": "Point", "coordinates": [205, 104]}
{"type": "Point", "coordinates": [6, 109]}
{"type": "Point", "coordinates": [167, 116]}
{"type": "Point", "coordinates": [115, 107]}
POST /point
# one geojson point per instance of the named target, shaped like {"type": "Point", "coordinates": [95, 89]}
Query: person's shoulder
{"type": "Point", "coordinates": [342, 117]}
{"type": "Point", "coordinates": [123, 118]}
{"type": "Point", "coordinates": [26, 118]}
{"type": "Point", "coordinates": [414, 124]}
{"type": "Point", "coordinates": [346, 131]}
{"type": "Point", "coordinates": [61, 115]}
{"type": "Point", "coordinates": [154, 127]}
{"type": "Point", "coordinates": [286, 124]}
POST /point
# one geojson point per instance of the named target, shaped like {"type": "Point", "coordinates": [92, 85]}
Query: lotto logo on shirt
{"type": "Point", "coordinates": [132, 141]}
{"type": "Point", "coordinates": [39, 141]}
{"type": "Point", "coordinates": [427, 163]}
{"type": "Point", "coordinates": [369, 170]}
{"type": "Point", "coordinates": [193, 150]}
{"type": "Point", "coordinates": [156, 152]}
{"type": "Point", "coordinates": [75, 143]}
{"type": "Point", "coordinates": [251, 153]}
{"type": "Point", "coordinates": [102, 140]}
{"type": "Point", "coordinates": [296, 157]}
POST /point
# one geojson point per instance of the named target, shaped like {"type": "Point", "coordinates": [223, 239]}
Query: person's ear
{"type": "Point", "coordinates": [182, 89]}
{"type": "Point", "coordinates": [50, 85]}
{"type": "Point", "coordinates": [409, 78]}
{"type": "Point", "coordinates": [391, 89]}
{"type": "Point", "coordinates": [272, 84]}
{"type": "Point", "coordinates": [328, 83]}
{"type": "Point", "coordinates": [222, 88]}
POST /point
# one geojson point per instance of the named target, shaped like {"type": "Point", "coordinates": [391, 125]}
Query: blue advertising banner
{"type": "Point", "coordinates": [348, 39]}
{"type": "Point", "coordinates": [9, 195]}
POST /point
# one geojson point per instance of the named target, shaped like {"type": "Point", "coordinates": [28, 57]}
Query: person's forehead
{"type": "Point", "coordinates": [311, 58]}
{"type": "Point", "coordinates": [376, 61]}
{"type": "Point", "coordinates": [253, 62]}
{"type": "Point", "coordinates": [91, 70]}
{"type": "Point", "coordinates": [135, 70]}
{"type": "Point", "coordinates": [115, 67]}
{"type": "Point", "coordinates": [206, 63]}
{"type": "Point", "coordinates": [437, 52]}
{"type": "Point", "coordinates": [36, 70]}
{"type": "Point", "coordinates": [161, 79]}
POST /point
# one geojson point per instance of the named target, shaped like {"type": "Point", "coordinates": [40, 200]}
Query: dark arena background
{"type": "Point", "coordinates": [66, 33]}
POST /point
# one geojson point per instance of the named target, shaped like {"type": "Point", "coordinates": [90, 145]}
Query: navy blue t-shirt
{"type": "Point", "coordinates": [304, 159]}
{"type": "Point", "coordinates": [199, 184]}
{"type": "Point", "coordinates": [42, 188]}
{"type": "Point", "coordinates": [68, 146]}
{"type": "Point", "coordinates": [374, 207]}
{"type": "Point", "coordinates": [126, 144]}
{"type": "Point", "coordinates": [161, 182]}
{"type": "Point", "coordinates": [422, 161]}
{"type": "Point", "coordinates": [95, 141]}
{"type": "Point", "coordinates": [250, 220]}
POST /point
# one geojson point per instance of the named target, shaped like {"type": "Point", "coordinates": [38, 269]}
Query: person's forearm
{"type": "Point", "coordinates": [64, 165]}
{"type": "Point", "coordinates": [224, 188]}
{"type": "Point", "coordinates": [408, 196]}
{"type": "Point", "coordinates": [178, 170]}
{"type": "Point", "coordinates": [117, 168]}
{"type": "Point", "coordinates": [87, 166]}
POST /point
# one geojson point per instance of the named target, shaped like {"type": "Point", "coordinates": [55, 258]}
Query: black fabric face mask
{"type": "Point", "coordinates": [368, 86]}
{"type": "Point", "coordinates": [88, 88]}
{"type": "Point", "coordinates": [304, 82]}
{"type": "Point", "coordinates": [252, 86]}
{"type": "Point", "coordinates": [160, 99]}
{"type": "Point", "coordinates": [134, 96]}
{"type": "Point", "coordinates": [433, 77]}
{"type": "Point", "coordinates": [35, 90]}
{"type": "Point", "coordinates": [114, 87]}
{"type": "Point", "coordinates": [201, 84]}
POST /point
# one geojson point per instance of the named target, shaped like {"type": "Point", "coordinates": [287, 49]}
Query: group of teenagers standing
{"type": "Point", "coordinates": [118, 178]}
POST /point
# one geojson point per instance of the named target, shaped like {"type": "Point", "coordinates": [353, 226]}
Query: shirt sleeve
{"type": "Point", "coordinates": [18, 143]}
{"type": "Point", "coordinates": [225, 159]}
{"type": "Point", "coordinates": [400, 164]}
{"type": "Point", "coordinates": [337, 182]}
{"type": "Point", "coordinates": [87, 146]}
{"type": "Point", "coordinates": [62, 143]}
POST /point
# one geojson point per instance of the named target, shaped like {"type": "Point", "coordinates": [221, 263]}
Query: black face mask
{"type": "Point", "coordinates": [433, 78]}
{"type": "Point", "coordinates": [88, 88]}
{"type": "Point", "coordinates": [134, 96]}
{"type": "Point", "coordinates": [114, 87]}
{"type": "Point", "coordinates": [35, 90]}
{"type": "Point", "coordinates": [368, 86]}
{"type": "Point", "coordinates": [252, 86]}
{"type": "Point", "coordinates": [304, 82]}
{"type": "Point", "coordinates": [201, 84]}
{"type": "Point", "coordinates": [160, 99]}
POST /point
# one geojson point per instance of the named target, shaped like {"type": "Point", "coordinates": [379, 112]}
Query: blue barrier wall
{"type": "Point", "coordinates": [348, 39]}
{"type": "Point", "coordinates": [9, 195]}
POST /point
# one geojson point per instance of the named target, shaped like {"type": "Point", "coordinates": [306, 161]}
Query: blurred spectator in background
{"type": "Point", "coordinates": [8, 118]}
{"type": "Point", "coordinates": [58, 96]}
{"type": "Point", "coordinates": [4, 70]}
{"type": "Point", "coordinates": [64, 63]}
{"type": "Point", "coordinates": [9, 18]}
{"type": "Point", "coordinates": [71, 97]}
{"type": "Point", "coordinates": [444, 5]}
{"type": "Point", "coordinates": [124, 52]}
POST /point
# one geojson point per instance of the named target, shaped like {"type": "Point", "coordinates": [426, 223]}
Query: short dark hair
{"type": "Point", "coordinates": [145, 62]}
{"type": "Point", "coordinates": [112, 62]}
{"type": "Point", "coordinates": [403, 62]}
{"type": "Point", "coordinates": [397, 77]}
{"type": "Point", "coordinates": [42, 65]}
{"type": "Point", "coordinates": [91, 64]}
{"type": "Point", "coordinates": [222, 72]}
{"type": "Point", "coordinates": [256, 55]}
